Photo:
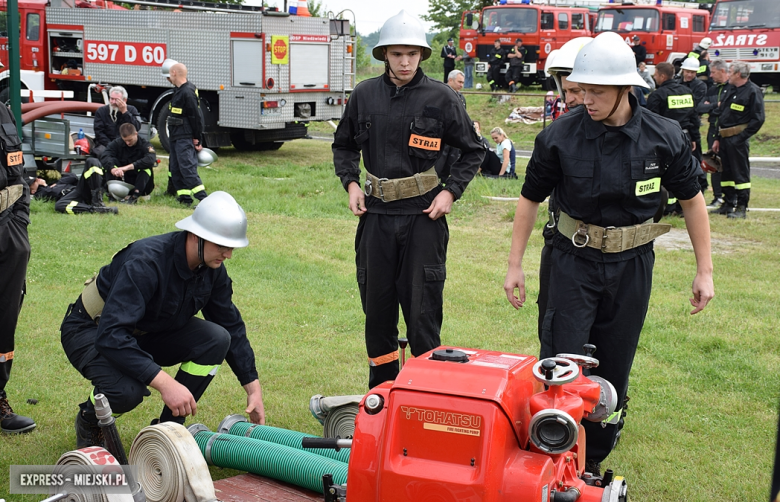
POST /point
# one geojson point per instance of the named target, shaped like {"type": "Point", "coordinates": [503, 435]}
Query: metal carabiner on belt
{"type": "Point", "coordinates": [581, 233]}
{"type": "Point", "coordinates": [368, 187]}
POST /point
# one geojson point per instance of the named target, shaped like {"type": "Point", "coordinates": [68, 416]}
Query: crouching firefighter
{"type": "Point", "coordinates": [138, 314]}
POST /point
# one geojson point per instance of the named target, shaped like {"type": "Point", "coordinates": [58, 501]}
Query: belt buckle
{"type": "Point", "coordinates": [381, 191]}
{"type": "Point", "coordinates": [582, 232]}
{"type": "Point", "coordinates": [604, 238]}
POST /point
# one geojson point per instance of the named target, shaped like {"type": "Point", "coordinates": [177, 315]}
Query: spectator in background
{"type": "Point", "coordinates": [549, 104]}
{"type": "Point", "coordinates": [491, 165]}
{"type": "Point", "coordinates": [645, 74]}
{"type": "Point", "coordinates": [456, 81]}
{"type": "Point", "coordinates": [450, 55]}
{"type": "Point", "coordinates": [505, 150]}
{"type": "Point", "coordinates": [468, 70]}
{"type": "Point", "coordinates": [640, 53]}
{"type": "Point", "coordinates": [110, 117]}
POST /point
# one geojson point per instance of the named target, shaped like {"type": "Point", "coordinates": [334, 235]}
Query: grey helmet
{"type": "Point", "coordinates": [206, 157]}
{"type": "Point", "coordinates": [607, 60]}
{"type": "Point", "coordinates": [219, 219]}
{"type": "Point", "coordinates": [166, 67]}
{"type": "Point", "coordinates": [562, 60]}
{"type": "Point", "coordinates": [119, 189]}
{"type": "Point", "coordinates": [402, 29]}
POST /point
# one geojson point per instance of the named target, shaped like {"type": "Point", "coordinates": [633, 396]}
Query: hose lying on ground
{"type": "Point", "coordinates": [97, 456]}
{"type": "Point", "coordinates": [284, 437]}
{"type": "Point", "coordinates": [272, 460]}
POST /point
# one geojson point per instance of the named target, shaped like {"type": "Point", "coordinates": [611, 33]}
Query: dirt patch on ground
{"type": "Point", "coordinates": [677, 240]}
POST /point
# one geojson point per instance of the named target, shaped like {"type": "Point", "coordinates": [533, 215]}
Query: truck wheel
{"type": "Point", "coordinates": [240, 142]}
{"type": "Point", "coordinates": [269, 145]}
{"type": "Point", "coordinates": [5, 97]}
{"type": "Point", "coordinates": [162, 128]}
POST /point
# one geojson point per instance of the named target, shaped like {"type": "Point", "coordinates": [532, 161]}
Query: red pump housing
{"type": "Point", "coordinates": [466, 425]}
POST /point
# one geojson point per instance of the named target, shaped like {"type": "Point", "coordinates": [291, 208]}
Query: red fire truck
{"type": "Point", "coordinates": [667, 31]}
{"type": "Point", "coordinates": [262, 74]}
{"type": "Point", "coordinates": [543, 27]}
{"type": "Point", "coordinates": [749, 30]}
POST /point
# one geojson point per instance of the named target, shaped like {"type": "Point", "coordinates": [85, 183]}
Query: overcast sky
{"type": "Point", "coordinates": [370, 14]}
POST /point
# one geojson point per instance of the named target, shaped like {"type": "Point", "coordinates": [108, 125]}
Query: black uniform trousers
{"type": "Point", "coordinates": [400, 261]}
{"type": "Point", "coordinates": [604, 304]}
{"type": "Point", "coordinates": [80, 200]}
{"type": "Point", "coordinates": [514, 74]}
{"type": "Point", "coordinates": [735, 178]}
{"type": "Point", "coordinates": [14, 255]}
{"type": "Point", "coordinates": [494, 76]}
{"type": "Point", "coordinates": [448, 69]}
{"type": "Point", "coordinates": [141, 179]}
{"type": "Point", "coordinates": [183, 166]}
{"type": "Point", "coordinates": [712, 135]}
{"type": "Point", "coordinates": [200, 346]}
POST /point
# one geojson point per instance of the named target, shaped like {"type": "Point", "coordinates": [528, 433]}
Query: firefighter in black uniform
{"type": "Point", "coordinates": [146, 300]}
{"type": "Point", "coordinates": [496, 59]}
{"type": "Point", "coordinates": [673, 100]}
{"type": "Point", "coordinates": [131, 158]}
{"type": "Point", "coordinates": [715, 93]}
{"type": "Point", "coordinates": [185, 133]}
{"type": "Point", "coordinates": [699, 91]}
{"type": "Point", "coordinates": [14, 255]}
{"type": "Point", "coordinates": [72, 194]}
{"type": "Point", "coordinates": [450, 55]}
{"type": "Point", "coordinates": [516, 58]}
{"type": "Point", "coordinates": [400, 121]}
{"type": "Point", "coordinates": [741, 116]}
{"type": "Point", "coordinates": [109, 118]}
{"type": "Point", "coordinates": [606, 161]}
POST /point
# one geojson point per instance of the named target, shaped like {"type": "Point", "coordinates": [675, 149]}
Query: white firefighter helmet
{"type": "Point", "coordinates": [166, 67]}
{"type": "Point", "coordinates": [219, 219]}
{"type": "Point", "coordinates": [607, 60]}
{"type": "Point", "coordinates": [479, 87]}
{"type": "Point", "coordinates": [119, 189]}
{"type": "Point", "coordinates": [562, 60]}
{"type": "Point", "coordinates": [690, 64]}
{"type": "Point", "coordinates": [705, 43]}
{"type": "Point", "coordinates": [206, 157]}
{"type": "Point", "coordinates": [402, 29]}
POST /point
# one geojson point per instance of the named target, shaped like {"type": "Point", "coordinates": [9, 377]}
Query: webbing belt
{"type": "Point", "coordinates": [9, 195]}
{"type": "Point", "coordinates": [609, 239]}
{"type": "Point", "coordinates": [727, 132]}
{"type": "Point", "coordinates": [90, 297]}
{"type": "Point", "coordinates": [388, 190]}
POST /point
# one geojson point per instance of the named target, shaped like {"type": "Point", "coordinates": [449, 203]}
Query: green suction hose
{"type": "Point", "coordinates": [284, 437]}
{"type": "Point", "coordinates": [272, 460]}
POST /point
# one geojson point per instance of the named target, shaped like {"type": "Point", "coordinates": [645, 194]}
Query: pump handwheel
{"type": "Point", "coordinates": [565, 371]}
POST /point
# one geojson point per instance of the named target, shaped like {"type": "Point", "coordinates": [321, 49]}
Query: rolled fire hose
{"type": "Point", "coordinates": [279, 436]}
{"type": "Point", "coordinates": [269, 459]}
{"type": "Point", "coordinates": [170, 465]}
{"type": "Point", "coordinates": [93, 455]}
{"type": "Point", "coordinates": [336, 414]}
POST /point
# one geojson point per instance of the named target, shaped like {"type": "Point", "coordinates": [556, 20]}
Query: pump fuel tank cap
{"type": "Point", "coordinates": [451, 355]}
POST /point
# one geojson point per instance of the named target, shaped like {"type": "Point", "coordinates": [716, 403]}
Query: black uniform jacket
{"type": "Point", "coordinates": [610, 177]}
{"type": "Point", "coordinates": [148, 287]}
{"type": "Point", "coordinates": [517, 61]}
{"type": "Point", "coordinates": [185, 105]}
{"type": "Point", "coordinates": [447, 51]}
{"type": "Point", "coordinates": [118, 154]}
{"type": "Point", "coordinates": [12, 175]}
{"type": "Point", "coordinates": [55, 192]}
{"type": "Point", "coordinates": [675, 101]}
{"type": "Point", "coordinates": [698, 89]}
{"type": "Point", "coordinates": [401, 131]}
{"type": "Point", "coordinates": [496, 56]}
{"type": "Point", "coordinates": [742, 105]}
{"type": "Point", "coordinates": [714, 95]}
{"type": "Point", "coordinates": [106, 130]}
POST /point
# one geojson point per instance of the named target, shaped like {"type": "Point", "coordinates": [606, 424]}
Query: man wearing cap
{"type": "Point", "coordinates": [185, 133]}
{"type": "Point", "coordinates": [640, 53]}
{"type": "Point", "coordinates": [145, 301]}
{"type": "Point", "coordinates": [606, 161]}
{"type": "Point", "coordinates": [400, 123]}
{"type": "Point", "coordinates": [516, 56]}
{"type": "Point", "coordinates": [450, 55]}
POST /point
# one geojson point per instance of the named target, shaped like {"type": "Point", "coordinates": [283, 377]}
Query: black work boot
{"type": "Point", "coordinates": [740, 212]}
{"type": "Point", "coordinates": [97, 197]}
{"type": "Point", "coordinates": [10, 422]}
{"type": "Point", "coordinates": [88, 432]}
{"type": "Point", "coordinates": [724, 209]}
{"type": "Point", "coordinates": [105, 209]}
{"type": "Point", "coordinates": [593, 467]}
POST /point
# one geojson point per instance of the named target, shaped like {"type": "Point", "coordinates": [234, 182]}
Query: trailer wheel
{"type": "Point", "coordinates": [162, 128]}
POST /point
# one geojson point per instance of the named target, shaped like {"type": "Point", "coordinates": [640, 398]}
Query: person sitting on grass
{"type": "Point", "coordinates": [132, 159]}
{"type": "Point", "coordinates": [505, 150]}
{"type": "Point", "coordinates": [491, 165]}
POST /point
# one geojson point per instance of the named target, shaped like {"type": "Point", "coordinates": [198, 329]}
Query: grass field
{"type": "Point", "coordinates": [704, 389]}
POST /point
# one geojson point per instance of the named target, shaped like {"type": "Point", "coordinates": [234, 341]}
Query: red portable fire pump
{"type": "Point", "coordinates": [475, 425]}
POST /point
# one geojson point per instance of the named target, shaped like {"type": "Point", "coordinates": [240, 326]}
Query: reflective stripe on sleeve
{"type": "Point", "coordinates": [199, 369]}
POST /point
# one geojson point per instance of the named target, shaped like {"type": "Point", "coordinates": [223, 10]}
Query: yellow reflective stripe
{"type": "Point", "coordinates": [197, 189]}
{"type": "Point", "coordinates": [184, 192]}
{"type": "Point", "coordinates": [613, 418]}
{"type": "Point", "coordinates": [95, 170]}
{"type": "Point", "coordinates": [170, 175]}
{"type": "Point", "coordinates": [70, 207]}
{"type": "Point", "coordinates": [684, 101]}
{"type": "Point", "coordinates": [702, 68]}
{"type": "Point", "coordinates": [176, 110]}
{"type": "Point", "coordinates": [647, 186]}
{"type": "Point", "coordinates": [672, 200]}
{"type": "Point", "coordinates": [737, 107]}
{"type": "Point", "coordinates": [147, 171]}
{"type": "Point", "coordinates": [740, 186]}
{"type": "Point", "coordinates": [694, 55]}
{"type": "Point", "coordinates": [199, 369]}
{"type": "Point", "coordinates": [727, 183]}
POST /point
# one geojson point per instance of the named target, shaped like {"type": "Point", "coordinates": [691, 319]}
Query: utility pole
{"type": "Point", "coordinates": [15, 87]}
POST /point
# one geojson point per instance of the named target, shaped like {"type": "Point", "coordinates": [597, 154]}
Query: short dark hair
{"type": "Point", "coordinates": [665, 69]}
{"type": "Point", "coordinates": [127, 130]}
{"type": "Point", "coordinates": [519, 40]}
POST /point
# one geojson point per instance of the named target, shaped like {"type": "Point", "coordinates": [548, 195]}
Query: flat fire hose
{"type": "Point", "coordinates": [97, 456]}
{"type": "Point", "coordinates": [170, 465]}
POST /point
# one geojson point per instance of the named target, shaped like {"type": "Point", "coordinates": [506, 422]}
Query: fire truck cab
{"type": "Point", "coordinates": [667, 32]}
{"type": "Point", "coordinates": [542, 28]}
{"type": "Point", "coordinates": [262, 75]}
{"type": "Point", "coordinates": [749, 30]}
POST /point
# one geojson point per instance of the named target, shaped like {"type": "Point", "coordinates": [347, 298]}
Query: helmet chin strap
{"type": "Point", "coordinates": [201, 243]}
{"type": "Point", "coordinates": [617, 101]}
